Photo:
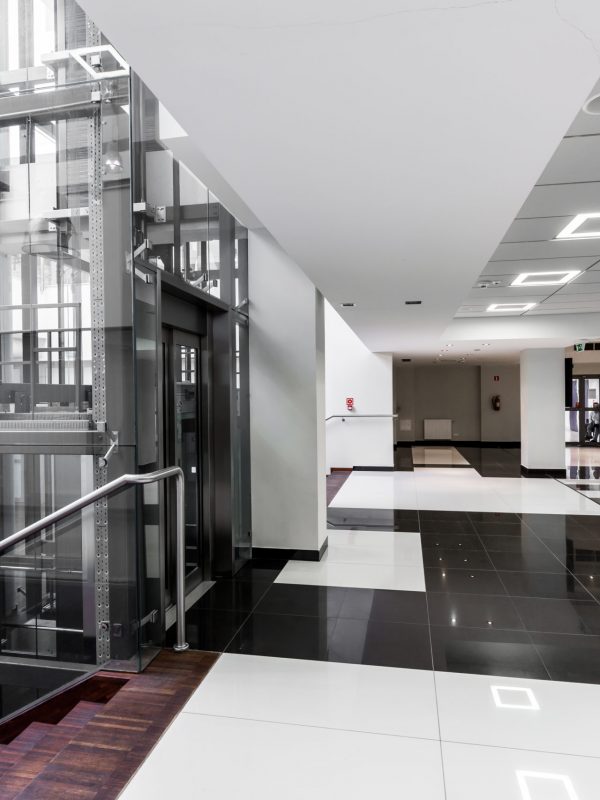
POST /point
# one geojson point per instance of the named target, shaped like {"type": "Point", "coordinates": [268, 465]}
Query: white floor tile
{"type": "Point", "coordinates": [512, 712]}
{"type": "Point", "coordinates": [377, 490]}
{"type": "Point", "coordinates": [461, 490]}
{"type": "Point", "coordinates": [398, 702]}
{"type": "Point", "coordinates": [375, 547]}
{"type": "Point", "coordinates": [437, 456]}
{"type": "Point", "coordinates": [223, 759]}
{"type": "Point", "coordinates": [359, 576]}
{"type": "Point", "coordinates": [473, 772]}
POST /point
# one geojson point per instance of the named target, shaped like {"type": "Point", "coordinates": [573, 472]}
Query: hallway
{"type": "Point", "coordinates": [448, 643]}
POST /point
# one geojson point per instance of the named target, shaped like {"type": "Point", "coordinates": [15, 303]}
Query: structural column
{"type": "Point", "coordinates": [287, 405]}
{"type": "Point", "coordinates": [543, 411]}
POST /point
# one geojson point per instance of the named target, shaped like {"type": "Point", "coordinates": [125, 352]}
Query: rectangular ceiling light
{"type": "Point", "coordinates": [514, 307]}
{"type": "Point", "coordinates": [571, 231]}
{"type": "Point", "coordinates": [515, 697]}
{"type": "Point", "coordinates": [545, 278]}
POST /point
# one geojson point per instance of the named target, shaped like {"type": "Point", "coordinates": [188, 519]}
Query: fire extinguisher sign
{"type": "Point", "coordinates": [350, 403]}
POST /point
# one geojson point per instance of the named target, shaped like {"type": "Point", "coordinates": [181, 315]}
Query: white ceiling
{"type": "Point", "coordinates": [569, 184]}
{"type": "Point", "coordinates": [386, 145]}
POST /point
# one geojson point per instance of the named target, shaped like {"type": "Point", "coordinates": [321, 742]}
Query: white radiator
{"type": "Point", "coordinates": [437, 429]}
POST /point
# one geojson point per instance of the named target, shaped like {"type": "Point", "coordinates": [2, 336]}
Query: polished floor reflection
{"type": "Point", "coordinates": [446, 647]}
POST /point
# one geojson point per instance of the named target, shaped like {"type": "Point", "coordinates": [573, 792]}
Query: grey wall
{"type": "Point", "coordinates": [503, 425]}
{"type": "Point", "coordinates": [461, 393]}
{"type": "Point", "coordinates": [287, 401]}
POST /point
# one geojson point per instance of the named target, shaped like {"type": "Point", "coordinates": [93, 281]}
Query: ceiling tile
{"type": "Point", "coordinates": [535, 230]}
{"type": "Point", "coordinates": [566, 199]}
{"type": "Point", "coordinates": [576, 159]}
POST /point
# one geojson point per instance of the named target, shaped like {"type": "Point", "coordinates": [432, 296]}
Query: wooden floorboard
{"type": "Point", "coordinates": [104, 754]}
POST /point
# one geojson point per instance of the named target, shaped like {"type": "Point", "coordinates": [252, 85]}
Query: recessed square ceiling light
{"type": "Point", "coordinates": [518, 307]}
{"type": "Point", "coordinates": [545, 278]}
{"type": "Point", "coordinates": [571, 231]}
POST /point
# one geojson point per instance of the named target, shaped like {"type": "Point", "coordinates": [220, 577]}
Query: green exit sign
{"type": "Point", "coordinates": [579, 347]}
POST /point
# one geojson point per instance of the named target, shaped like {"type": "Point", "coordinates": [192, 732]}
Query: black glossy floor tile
{"type": "Point", "coordinates": [235, 595]}
{"type": "Point", "coordinates": [463, 581]}
{"type": "Point", "coordinates": [526, 561]}
{"type": "Point", "coordinates": [554, 524]}
{"type": "Point", "coordinates": [384, 644]}
{"type": "Point", "coordinates": [444, 527]}
{"type": "Point", "coordinates": [486, 652]}
{"type": "Point", "coordinates": [513, 544]}
{"type": "Point", "coordinates": [285, 636]}
{"type": "Point", "coordinates": [373, 519]}
{"type": "Point", "coordinates": [570, 658]}
{"type": "Point", "coordinates": [383, 605]}
{"type": "Point", "coordinates": [210, 629]}
{"type": "Point", "coordinates": [547, 615]}
{"type": "Point", "coordinates": [443, 516]}
{"type": "Point", "coordinates": [473, 611]}
{"type": "Point", "coordinates": [543, 584]}
{"type": "Point", "coordinates": [493, 516]}
{"type": "Point", "coordinates": [310, 601]}
{"type": "Point", "coordinates": [451, 541]}
{"type": "Point", "coordinates": [591, 582]}
{"type": "Point", "coordinates": [403, 461]}
{"type": "Point", "coordinates": [457, 559]}
{"type": "Point", "coordinates": [500, 528]}
{"type": "Point", "coordinates": [260, 570]}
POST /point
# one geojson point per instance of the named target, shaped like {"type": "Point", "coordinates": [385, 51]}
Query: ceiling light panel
{"type": "Point", "coordinates": [558, 278]}
{"type": "Point", "coordinates": [582, 227]}
{"type": "Point", "coordinates": [514, 308]}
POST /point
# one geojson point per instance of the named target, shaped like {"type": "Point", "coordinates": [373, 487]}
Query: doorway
{"type": "Point", "coordinates": [585, 391]}
{"type": "Point", "coordinates": [183, 446]}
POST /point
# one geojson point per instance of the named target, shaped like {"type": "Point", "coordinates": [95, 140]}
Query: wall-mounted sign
{"type": "Point", "coordinates": [350, 403]}
{"type": "Point", "coordinates": [579, 347]}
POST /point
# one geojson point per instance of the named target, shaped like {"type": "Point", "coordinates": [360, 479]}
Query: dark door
{"type": "Point", "coordinates": [183, 446]}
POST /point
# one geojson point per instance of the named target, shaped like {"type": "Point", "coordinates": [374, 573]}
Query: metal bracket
{"type": "Point", "coordinates": [114, 446]}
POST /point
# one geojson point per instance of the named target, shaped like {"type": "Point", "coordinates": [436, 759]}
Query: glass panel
{"type": "Point", "coordinates": [187, 429]}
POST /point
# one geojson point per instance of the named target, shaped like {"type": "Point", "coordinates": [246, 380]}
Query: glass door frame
{"type": "Point", "coordinates": [581, 409]}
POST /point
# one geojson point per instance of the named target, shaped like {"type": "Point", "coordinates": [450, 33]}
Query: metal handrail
{"type": "Point", "coordinates": [112, 488]}
{"type": "Point", "coordinates": [352, 415]}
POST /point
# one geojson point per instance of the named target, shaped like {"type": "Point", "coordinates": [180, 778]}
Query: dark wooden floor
{"type": "Point", "coordinates": [99, 747]}
{"type": "Point", "coordinates": [335, 481]}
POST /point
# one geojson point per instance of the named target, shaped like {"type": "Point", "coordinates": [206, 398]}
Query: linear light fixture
{"type": "Point", "coordinates": [571, 231]}
{"type": "Point", "coordinates": [508, 307]}
{"type": "Point", "coordinates": [546, 278]}
{"type": "Point", "coordinates": [524, 776]}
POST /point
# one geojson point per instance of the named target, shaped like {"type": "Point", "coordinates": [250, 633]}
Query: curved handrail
{"type": "Point", "coordinates": [112, 487]}
{"type": "Point", "coordinates": [352, 415]}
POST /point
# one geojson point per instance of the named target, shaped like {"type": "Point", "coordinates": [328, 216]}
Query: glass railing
{"type": "Point", "coordinates": [70, 591]}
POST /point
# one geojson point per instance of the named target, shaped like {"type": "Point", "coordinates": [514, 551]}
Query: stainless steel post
{"type": "Point", "coordinates": [181, 643]}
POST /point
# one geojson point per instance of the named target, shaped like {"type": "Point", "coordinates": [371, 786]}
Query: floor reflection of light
{"type": "Point", "coordinates": [531, 705]}
{"type": "Point", "coordinates": [524, 775]}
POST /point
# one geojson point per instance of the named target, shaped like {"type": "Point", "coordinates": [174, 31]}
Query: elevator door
{"type": "Point", "coordinates": [182, 446]}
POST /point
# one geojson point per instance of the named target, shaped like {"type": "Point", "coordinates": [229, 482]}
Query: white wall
{"type": "Point", "coordinates": [503, 425]}
{"type": "Point", "coordinates": [287, 409]}
{"type": "Point", "coordinates": [352, 370]}
{"type": "Point", "coordinates": [542, 409]}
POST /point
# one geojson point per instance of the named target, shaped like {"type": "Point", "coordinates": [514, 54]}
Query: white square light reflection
{"type": "Point", "coordinates": [571, 231]}
{"type": "Point", "coordinates": [510, 307]}
{"type": "Point", "coordinates": [546, 278]}
{"type": "Point", "coordinates": [511, 697]}
{"type": "Point", "coordinates": [526, 778]}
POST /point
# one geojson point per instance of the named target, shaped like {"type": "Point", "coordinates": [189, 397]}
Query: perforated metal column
{"type": "Point", "coordinates": [98, 364]}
